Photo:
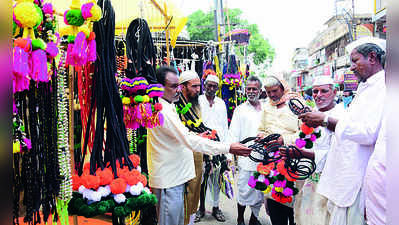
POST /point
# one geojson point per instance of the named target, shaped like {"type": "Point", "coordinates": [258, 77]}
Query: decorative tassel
{"type": "Point", "coordinates": [79, 50]}
{"type": "Point", "coordinates": [52, 49]}
{"type": "Point", "coordinates": [91, 53]}
{"type": "Point", "coordinates": [20, 70]}
{"type": "Point", "coordinates": [39, 66]}
{"type": "Point", "coordinates": [69, 58]}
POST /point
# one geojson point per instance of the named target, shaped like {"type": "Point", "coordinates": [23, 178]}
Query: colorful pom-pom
{"type": "Point", "coordinates": [52, 49]}
{"type": "Point", "coordinates": [28, 15]}
{"type": "Point", "coordinates": [74, 17]}
{"type": "Point", "coordinates": [305, 129]}
{"type": "Point", "coordinates": [118, 186]}
{"type": "Point", "coordinates": [38, 44]}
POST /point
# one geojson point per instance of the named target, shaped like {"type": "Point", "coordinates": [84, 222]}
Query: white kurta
{"type": "Point", "coordinates": [356, 133]}
{"type": "Point", "coordinates": [311, 207]}
{"type": "Point", "coordinates": [215, 118]}
{"type": "Point", "coordinates": [375, 181]}
{"type": "Point", "coordinates": [245, 123]}
{"type": "Point", "coordinates": [170, 163]}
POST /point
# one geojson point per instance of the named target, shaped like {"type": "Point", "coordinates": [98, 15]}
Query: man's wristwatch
{"type": "Point", "coordinates": [325, 121]}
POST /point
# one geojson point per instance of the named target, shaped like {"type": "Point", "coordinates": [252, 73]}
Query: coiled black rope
{"type": "Point", "coordinates": [298, 167]}
{"type": "Point", "coordinates": [297, 107]}
{"type": "Point", "coordinates": [267, 148]}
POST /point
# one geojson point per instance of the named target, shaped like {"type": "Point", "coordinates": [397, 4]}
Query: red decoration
{"type": "Point", "coordinates": [118, 186]}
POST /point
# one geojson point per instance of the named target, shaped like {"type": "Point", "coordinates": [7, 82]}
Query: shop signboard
{"type": "Point", "coordinates": [350, 81]}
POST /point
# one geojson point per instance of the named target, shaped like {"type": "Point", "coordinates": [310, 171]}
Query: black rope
{"type": "Point", "coordinates": [297, 107]}
{"type": "Point", "coordinates": [107, 100]}
{"type": "Point", "coordinates": [298, 167]}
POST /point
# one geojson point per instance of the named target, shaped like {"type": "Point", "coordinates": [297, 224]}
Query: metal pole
{"type": "Point", "coordinates": [353, 20]}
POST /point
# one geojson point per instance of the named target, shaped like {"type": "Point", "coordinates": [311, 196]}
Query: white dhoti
{"type": "Point", "coordinates": [352, 215]}
{"type": "Point", "coordinates": [248, 196]}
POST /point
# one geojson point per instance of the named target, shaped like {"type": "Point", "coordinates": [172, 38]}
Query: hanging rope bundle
{"type": "Point", "coordinates": [107, 101]}
{"type": "Point", "coordinates": [140, 51]}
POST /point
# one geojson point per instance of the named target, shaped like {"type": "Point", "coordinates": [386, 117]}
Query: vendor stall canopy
{"type": "Point", "coordinates": [161, 15]}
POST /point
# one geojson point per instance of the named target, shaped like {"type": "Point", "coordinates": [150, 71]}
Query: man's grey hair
{"type": "Point", "coordinates": [271, 81]}
{"type": "Point", "coordinates": [254, 79]}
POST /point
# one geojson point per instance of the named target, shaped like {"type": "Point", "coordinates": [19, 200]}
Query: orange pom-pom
{"type": "Point", "coordinates": [264, 169]}
{"type": "Point", "coordinates": [76, 182]}
{"type": "Point", "coordinates": [305, 129]}
{"type": "Point", "coordinates": [92, 36]}
{"type": "Point", "coordinates": [90, 181]}
{"type": "Point", "coordinates": [23, 43]}
{"type": "Point", "coordinates": [105, 175]}
{"type": "Point", "coordinates": [143, 180]}
{"type": "Point", "coordinates": [135, 160]}
{"type": "Point", "coordinates": [132, 180]}
{"type": "Point", "coordinates": [118, 186]}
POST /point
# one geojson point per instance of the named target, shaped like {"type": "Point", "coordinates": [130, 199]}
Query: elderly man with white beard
{"type": "Point", "coordinates": [244, 124]}
{"type": "Point", "coordinates": [311, 207]}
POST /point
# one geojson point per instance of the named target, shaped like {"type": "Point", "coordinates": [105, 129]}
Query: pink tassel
{"type": "Point", "coordinates": [52, 49]}
{"type": "Point", "coordinates": [20, 70]}
{"type": "Point", "coordinates": [28, 143]}
{"type": "Point", "coordinates": [92, 52]}
{"type": "Point", "coordinates": [79, 49]}
{"type": "Point", "coordinates": [69, 58]}
{"type": "Point", "coordinates": [39, 66]}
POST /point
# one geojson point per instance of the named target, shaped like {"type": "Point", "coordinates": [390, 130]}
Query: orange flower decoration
{"type": "Point", "coordinates": [283, 171]}
{"type": "Point", "coordinates": [265, 169]}
{"type": "Point", "coordinates": [135, 160]}
{"type": "Point", "coordinates": [306, 130]}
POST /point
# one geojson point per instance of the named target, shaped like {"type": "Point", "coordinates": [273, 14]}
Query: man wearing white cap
{"type": "Point", "coordinates": [356, 133]}
{"type": "Point", "coordinates": [190, 85]}
{"type": "Point", "coordinates": [311, 207]}
{"type": "Point", "coordinates": [214, 116]}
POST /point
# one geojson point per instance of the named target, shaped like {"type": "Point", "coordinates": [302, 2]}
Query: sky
{"type": "Point", "coordinates": [287, 24]}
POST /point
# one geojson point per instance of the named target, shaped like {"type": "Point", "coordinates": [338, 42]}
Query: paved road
{"type": "Point", "coordinates": [229, 209]}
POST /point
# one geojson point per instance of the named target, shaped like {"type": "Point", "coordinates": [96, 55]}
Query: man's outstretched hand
{"type": "Point", "coordinates": [239, 149]}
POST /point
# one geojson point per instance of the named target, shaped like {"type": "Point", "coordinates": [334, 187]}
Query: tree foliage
{"type": "Point", "coordinates": [201, 26]}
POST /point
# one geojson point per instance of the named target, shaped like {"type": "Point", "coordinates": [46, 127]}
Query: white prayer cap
{"type": "Point", "coordinates": [212, 78]}
{"type": "Point", "coordinates": [322, 80]}
{"type": "Point", "coordinates": [187, 76]}
{"type": "Point", "coordinates": [377, 41]}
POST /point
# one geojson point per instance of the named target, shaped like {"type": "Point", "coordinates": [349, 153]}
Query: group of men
{"type": "Point", "coordinates": [348, 186]}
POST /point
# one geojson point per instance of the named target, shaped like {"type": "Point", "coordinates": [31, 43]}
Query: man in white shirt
{"type": "Point", "coordinates": [214, 116]}
{"type": "Point", "coordinates": [311, 207]}
{"type": "Point", "coordinates": [244, 123]}
{"type": "Point", "coordinates": [356, 133]}
{"type": "Point", "coordinates": [170, 162]}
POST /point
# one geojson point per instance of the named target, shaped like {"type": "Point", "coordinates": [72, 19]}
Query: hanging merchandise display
{"type": "Point", "coordinates": [39, 154]}
{"type": "Point", "coordinates": [112, 181]}
{"type": "Point", "coordinates": [231, 83]}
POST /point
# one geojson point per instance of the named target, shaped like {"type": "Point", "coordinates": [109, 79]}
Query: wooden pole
{"type": "Point", "coordinates": [167, 35]}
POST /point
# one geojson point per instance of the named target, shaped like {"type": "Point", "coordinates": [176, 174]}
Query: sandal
{"type": "Point", "coordinates": [198, 215]}
{"type": "Point", "coordinates": [217, 213]}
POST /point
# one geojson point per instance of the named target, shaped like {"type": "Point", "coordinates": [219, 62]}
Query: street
{"type": "Point", "coordinates": [229, 209]}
